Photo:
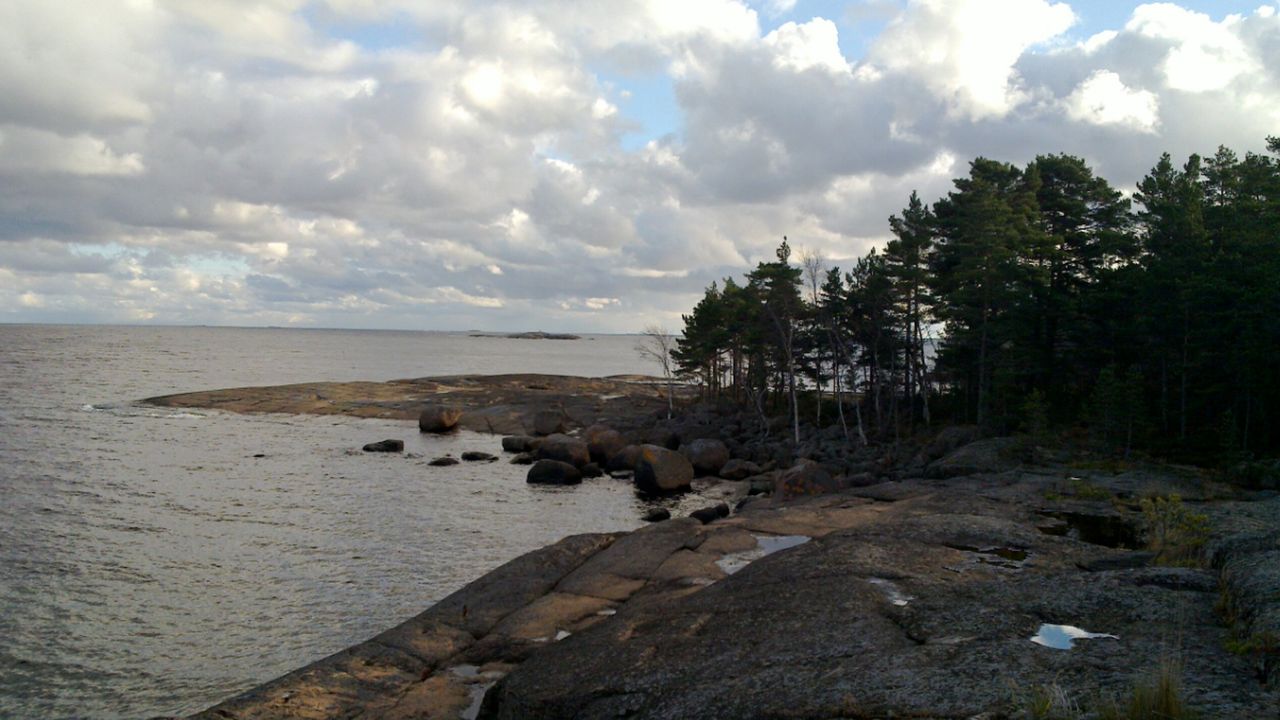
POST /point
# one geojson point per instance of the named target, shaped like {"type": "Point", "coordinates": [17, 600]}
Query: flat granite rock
{"type": "Point", "coordinates": [924, 610]}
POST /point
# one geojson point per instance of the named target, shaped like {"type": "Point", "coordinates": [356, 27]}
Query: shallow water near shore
{"type": "Point", "coordinates": [150, 564]}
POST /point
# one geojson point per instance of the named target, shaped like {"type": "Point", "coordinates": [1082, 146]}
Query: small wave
{"type": "Point", "coordinates": [142, 411]}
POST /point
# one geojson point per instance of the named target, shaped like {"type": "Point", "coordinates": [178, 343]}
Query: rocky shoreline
{"type": "Point", "coordinates": [940, 579]}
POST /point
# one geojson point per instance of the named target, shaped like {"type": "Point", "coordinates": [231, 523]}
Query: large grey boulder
{"type": "Point", "coordinates": [439, 418]}
{"type": "Point", "coordinates": [548, 422]}
{"type": "Point", "coordinates": [659, 470]}
{"type": "Point", "coordinates": [805, 478]}
{"type": "Point", "coordinates": [707, 456]}
{"type": "Point", "coordinates": [603, 442]}
{"type": "Point", "coordinates": [737, 469]}
{"type": "Point", "coordinates": [625, 459]}
{"type": "Point", "coordinates": [553, 472]}
{"type": "Point", "coordinates": [565, 449]}
{"type": "Point", "coordinates": [984, 456]}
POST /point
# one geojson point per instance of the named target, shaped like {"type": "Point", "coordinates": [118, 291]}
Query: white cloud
{"type": "Point", "coordinates": [174, 161]}
{"type": "Point", "coordinates": [1204, 55]}
{"type": "Point", "coordinates": [965, 50]}
{"type": "Point", "coordinates": [814, 44]}
{"type": "Point", "coordinates": [1103, 99]}
{"type": "Point", "coordinates": [39, 151]}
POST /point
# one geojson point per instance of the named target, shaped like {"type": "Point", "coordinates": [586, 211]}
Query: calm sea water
{"type": "Point", "coordinates": [150, 564]}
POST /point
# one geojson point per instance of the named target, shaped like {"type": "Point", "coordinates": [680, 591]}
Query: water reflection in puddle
{"type": "Point", "coordinates": [478, 684]}
{"type": "Point", "coordinates": [1005, 557]}
{"type": "Point", "coordinates": [1063, 637]}
{"type": "Point", "coordinates": [765, 545]}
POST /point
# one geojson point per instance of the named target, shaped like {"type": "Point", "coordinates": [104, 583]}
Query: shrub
{"type": "Point", "coordinates": [1175, 533]}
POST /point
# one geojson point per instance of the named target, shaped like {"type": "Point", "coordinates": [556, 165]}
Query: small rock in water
{"type": "Point", "coordinates": [444, 461]}
{"type": "Point", "coordinates": [259, 455]}
{"type": "Point", "coordinates": [477, 456]}
{"type": "Point", "coordinates": [526, 458]}
{"type": "Point", "coordinates": [710, 514]}
{"type": "Point", "coordinates": [553, 472]}
{"type": "Point", "coordinates": [385, 446]}
{"type": "Point", "coordinates": [657, 515]}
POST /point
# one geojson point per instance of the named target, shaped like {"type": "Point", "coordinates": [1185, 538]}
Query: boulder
{"type": "Point", "coordinates": [565, 449]}
{"type": "Point", "coordinates": [548, 422]}
{"type": "Point", "coordinates": [444, 461]}
{"type": "Point", "coordinates": [439, 418]}
{"type": "Point", "coordinates": [526, 458]}
{"type": "Point", "coordinates": [707, 456]}
{"type": "Point", "coordinates": [948, 439]}
{"type": "Point", "coordinates": [592, 470]}
{"type": "Point", "coordinates": [710, 514]}
{"type": "Point", "coordinates": [385, 446]}
{"type": "Point", "coordinates": [659, 470]}
{"type": "Point", "coordinates": [657, 515]}
{"type": "Point", "coordinates": [624, 459]}
{"type": "Point", "coordinates": [520, 443]}
{"type": "Point", "coordinates": [553, 472]}
{"type": "Point", "coordinates": [805, 478]}
{"type": "Point", "coordinates": [603, 442]}
{"type": "Point", "coordinates": [477, 456]}
{"type": "Point", "coordinates": [737, 469]}
{"type": "Point", "coordinates": [984, 456]}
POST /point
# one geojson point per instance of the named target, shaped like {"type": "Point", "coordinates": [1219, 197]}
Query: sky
{"type": "Point", "coordinates": [551, 164]}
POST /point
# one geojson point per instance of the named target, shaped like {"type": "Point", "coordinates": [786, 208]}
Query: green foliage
{"type": "Point", "coordinates": [1153, 325]}
{"type": "Point", "coordinates": [1175, 533]}
{"type": "Point", "coordinates": [1035, 416]}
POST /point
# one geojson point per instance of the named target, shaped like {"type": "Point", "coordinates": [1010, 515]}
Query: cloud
{"type": "Point", "coordinates": [965, 50]}
{"type": "Point", "coordinates": [1103, 99]}
{"type": "Point", "coordinates": [261, 162]}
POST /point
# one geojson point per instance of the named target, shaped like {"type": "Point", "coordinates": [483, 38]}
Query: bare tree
{"type": "Point", "coordinates": [815, 265]}
{"type": "Point", "coordinates": [656, 344]}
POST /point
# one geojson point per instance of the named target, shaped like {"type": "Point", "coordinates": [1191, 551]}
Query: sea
{"type": "Point", "coordinates": [156, 561]}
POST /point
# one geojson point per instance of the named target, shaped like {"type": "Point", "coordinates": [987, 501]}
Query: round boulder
{"type": "Point", "coordinates": [439, 418]}
{"type": "Point", "coordinates": [805, 478]}
{"type": "Point", "coordinates": [659, 470]}
{"type": "Point", "coordinates": [707, 456]}
{"type": "Point", "coordinates": [737, 469]}
{"type": "Point", "coordinates": [385, 446]}
{"type": "Point", "coordinates": [553, 472]}
{"type": "Point", "coordinates": [565, 449]}
{"type": "Point", "coordinates": [657, 515]}
{"type": "Point", "coordinates": [603, 442]}
{"type": "Point", "coordinates": [624, 459]}
{"type": "Point", "coordinates": [444, 461]}
{"type": "Point", "coordinates": [520, 443]}
{"type": "Point", "coordinates": [477, 456]}
{"type": "Point", "coordinates": [710, 514]}
{"type": "Point", "coordinates": [548, 422]}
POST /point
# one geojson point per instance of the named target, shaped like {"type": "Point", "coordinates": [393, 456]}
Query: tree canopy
{"type": "Point", "coordinates": [1151, 321]}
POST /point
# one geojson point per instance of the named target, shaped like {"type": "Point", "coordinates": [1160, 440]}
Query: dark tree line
{"type": "Point", "coordinates": [1028, 295]}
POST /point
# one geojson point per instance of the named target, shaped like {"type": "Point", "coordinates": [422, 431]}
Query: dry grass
{"type": "Point", "coordinates": [1155, 697]}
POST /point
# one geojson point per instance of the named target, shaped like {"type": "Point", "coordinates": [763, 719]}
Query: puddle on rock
{"type": "Point", "coordinates": [1063, 637]}
{"type": "Point", "coordinates": [562, 635]}
{"type": "Point", "coordinates": [1108, 530]}
{"type": "Point", "coordinates": [765, 545]}
{"type": "Point", "coordinates": [477, 699]}
{"type": "Point", "coordinates": [891, 591]}
{"type": "Point", "coordinates": [1005, 557]}
{"type": "Point", "coordinates": [607, 612]}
